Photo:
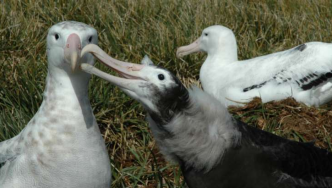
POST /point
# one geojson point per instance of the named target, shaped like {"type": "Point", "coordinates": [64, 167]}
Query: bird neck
{"type": "Point", "coordinates": [169, 105]}
{"type": "Point", "coordinates": [75, 85]}
{"type": "Point", "coordinates": [67, 96]}
{"type": "Point", "coordinates": [213, 67]}
{"type": "Point", "coordinates": [223, 54]}
{"type": "Point", "coordinates": [203, 126]}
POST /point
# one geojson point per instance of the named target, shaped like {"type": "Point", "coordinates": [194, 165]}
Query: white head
{"type": "Point", "coordinates": [214, 39]}
{"type": "Point", "coordinates": [65, 41]}
{"type": "Point", "coordinates": [160, 92]}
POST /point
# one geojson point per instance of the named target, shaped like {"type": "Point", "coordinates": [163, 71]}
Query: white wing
{"type": "Point", "coordinates": [305, 66]}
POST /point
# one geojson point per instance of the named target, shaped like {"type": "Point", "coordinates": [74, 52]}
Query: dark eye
{"type": "Point", "coordinates": [161, 76]}
{"type": "Point", "coordinates": [90, 39]}
{"type": "Point", "coordinates": [206, 34]}
{"type": "Point", "coordinates": [56, 36]}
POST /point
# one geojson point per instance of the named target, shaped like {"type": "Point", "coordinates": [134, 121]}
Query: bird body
{"type": "Point", "coordinates": [213, 149]}
{"type": "Point", "coordinates": [303, 72]}
{"type": "Point", "coordinates": [261, 160]}
{"type": "Point", "coordinates": [61, 146]}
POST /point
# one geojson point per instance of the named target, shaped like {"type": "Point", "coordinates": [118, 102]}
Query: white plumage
{"type": "Point", "coordinates": [303, 72]}
{"type": "Point", "coordinates": [61, 146]}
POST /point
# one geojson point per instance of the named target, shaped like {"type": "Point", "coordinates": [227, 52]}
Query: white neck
{"type": "Point", "coordinates": [66, 97]}
{"type": "Point", "coordinates": [224, 52]}
{"type": "Point", "coordinates": [215, 62]}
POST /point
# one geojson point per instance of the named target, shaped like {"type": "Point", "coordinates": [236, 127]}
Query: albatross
{"type": "Point", "coordinates": [213, 149]}
{"type": "Point", "coordinates": [61, 146]}
{"type": "Point", "coordinates": [303, 72]}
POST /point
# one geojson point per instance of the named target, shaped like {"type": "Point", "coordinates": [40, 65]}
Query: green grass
{"type": "Point", "coordinates": [127, 31]}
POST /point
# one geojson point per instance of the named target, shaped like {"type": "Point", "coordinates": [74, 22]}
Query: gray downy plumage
{"type": "Point", "coordinates": [194, 130]}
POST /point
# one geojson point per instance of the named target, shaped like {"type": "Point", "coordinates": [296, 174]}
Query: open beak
{"type": "Point", "coordinates": [130, 72]}
{"type": "Point", "coordinates": [191, 48]}
{"type": "Point", "coordinates": [73, 50]}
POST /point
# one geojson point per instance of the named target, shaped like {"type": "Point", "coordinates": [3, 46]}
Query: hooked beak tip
{"type": "Point", "coordinates": [73, 60]}
{"type": "Point", "coordinates": [179, 54]}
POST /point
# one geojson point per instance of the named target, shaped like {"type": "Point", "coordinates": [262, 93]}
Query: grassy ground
{"type": "Point", "coordinates": [130, 29]}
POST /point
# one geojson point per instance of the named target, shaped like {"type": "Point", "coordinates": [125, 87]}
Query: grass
{"type": "Point", "coordinates": [130, 29]}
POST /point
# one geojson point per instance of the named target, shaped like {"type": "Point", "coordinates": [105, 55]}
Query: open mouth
{"type": "Point", "coordinates": [130, 72]}
{"type": "Point", "coordinates": [124, 69]}
{"type": "Point", "coordinates": [124, 75]}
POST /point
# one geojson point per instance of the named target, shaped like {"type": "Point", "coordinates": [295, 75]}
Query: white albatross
{"type": "Point", "coordinates": [303, 72]}
{"type": "Point", "coordinates": [61, 146]}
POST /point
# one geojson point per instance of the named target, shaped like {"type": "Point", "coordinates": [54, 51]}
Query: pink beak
{"type": "Point", "coordinates": [73, 50]}
{"type": "Point", "coordinates": [191, 48]}
{"type": "Point", "coordinates": [132, 72]}
{"type": "Point", "coordinates": [125, 69]}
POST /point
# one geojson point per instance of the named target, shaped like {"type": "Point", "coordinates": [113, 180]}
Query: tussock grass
{"type": "Point", "coordinates": [128, 30]}
{"type": "Point", "coordinates": [289, 119]}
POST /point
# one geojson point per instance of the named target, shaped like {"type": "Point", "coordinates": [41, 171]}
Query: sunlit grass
{"type": "Point", "coordinates": [128, 30]}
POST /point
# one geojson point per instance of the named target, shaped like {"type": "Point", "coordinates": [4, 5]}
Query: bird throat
{"type": "Point", "coordinates": [66, 100]}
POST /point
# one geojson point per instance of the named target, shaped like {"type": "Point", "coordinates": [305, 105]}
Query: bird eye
{"type": "Point", "coordinates": [206, 34]}
{"type": "Point", "coordinates": [90, 39]}
{"type": "Point", "coordinates": [161, 76]}
{"type": "Point", "coordinates": [56, 36]}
